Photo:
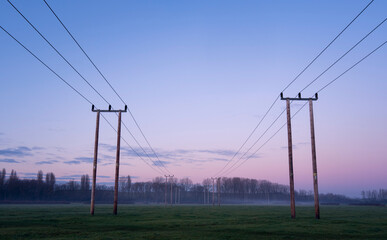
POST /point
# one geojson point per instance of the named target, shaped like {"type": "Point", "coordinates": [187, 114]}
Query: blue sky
{"type": "Point", "coordinates": [198, 76]}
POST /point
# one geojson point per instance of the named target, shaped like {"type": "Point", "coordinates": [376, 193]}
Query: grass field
{"type": "Point", "coordinates": [190, 222]}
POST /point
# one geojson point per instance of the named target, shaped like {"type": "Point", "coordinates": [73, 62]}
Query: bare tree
{"type": "Point", "coordinates": [186, 184]}
{"type": "Point", "coordinates": [125, 184]}
{"type": "Point", "coordinates": [50, 179]}
{"type": "Point", "coordinates": [50, 182]}
{"type": "Point", "coordinates": [85, 182]}
{"type": "Point", "coordinates": [40, 177]}
{"type": "Point", "coordinates": [13, 176]}
{"type": "Point", "coordinates": [2, 178]}
{"type": "Point", "coordinates": [2, 183]}
{"type": "Point", "coordinates": [128, 184]}
{"type": "Point", "coordinates": [73, 185]}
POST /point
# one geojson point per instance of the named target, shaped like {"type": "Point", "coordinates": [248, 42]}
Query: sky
{"type": "Point", "coordinates": [198, 76]}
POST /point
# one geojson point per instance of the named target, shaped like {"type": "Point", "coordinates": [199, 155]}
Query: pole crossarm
{"type": "Point", "coordinates": [93, 109]}
{"type": "Point", "coordinates": [299, 98]}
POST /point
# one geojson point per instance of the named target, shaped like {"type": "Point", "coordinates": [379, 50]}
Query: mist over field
{"type": "Point", "coordinates": [239, 191]}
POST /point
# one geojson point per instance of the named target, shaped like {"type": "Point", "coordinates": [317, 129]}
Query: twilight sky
{"type": "Point", "coordinates": [198, 76]}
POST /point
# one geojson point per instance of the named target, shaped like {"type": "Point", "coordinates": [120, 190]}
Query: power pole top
{"type": "Point", "coordinates": [299, 98]}
{"type": "Point", "coordinates": [93, 109]}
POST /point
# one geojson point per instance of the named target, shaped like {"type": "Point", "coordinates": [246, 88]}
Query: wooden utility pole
{"type": "Point", "coordinates": [204, 194]}
{"type": "Point", "coordinates": [171, 187]}
{"type": "Point", "coordinates": [314, 163]}
{"type": "Point", "coordinates": [176, 195]}
{"type": "Point", "coordinates": [213, 191]}
{"type": "Point", "coordinates": [179, 196]}
{"type": "Point", "coordinates": [165, 192]}
{"type": "Point", "coordinates": [218, 189]}
{"type": "Point", "coordinates": [208, 195]}
{"type": "Point", "coordinates": [94, 165]}
{"type": "Point", "coordinates": [290, 151]}
{"type": "Point", "coordinates": [166, 187]}
{"type": "Point", "coordinates": [98, 111]}
{"type": "Point", "coordinates": [117, 164]}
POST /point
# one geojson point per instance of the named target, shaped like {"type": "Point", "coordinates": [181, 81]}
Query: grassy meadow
{"type": "Point", "coordinates": [190, 222]}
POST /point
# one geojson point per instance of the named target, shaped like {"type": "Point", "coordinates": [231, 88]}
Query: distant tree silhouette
{"type": "Point", "coordinates": [233, 190]}
{"type": "Point", "coordinates": [85, 182]}
{"type": "Point", "coordinates": [40, 177]}
{"type": "Point", "coordinates": [2, 183]}
{"type": "Point", "coordinates": [50, 184]}
{"type": "Point", "coordinates": [50, 179]}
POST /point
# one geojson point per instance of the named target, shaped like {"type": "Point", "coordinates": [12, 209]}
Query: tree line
{"type": "Point", "coordinates": [44, 188]}
{"type": "Point", "coordinates": [374, 195]}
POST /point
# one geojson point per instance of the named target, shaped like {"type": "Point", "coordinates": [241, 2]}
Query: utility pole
{"type": "Point", "coordinates": [218, 188]}
{"type": "Point", "coordinates": [314, 163]}
{"type": "Point", "coordinates": [204, 194]}
{"type": "Point", "coordinates": [117, 164]}
{"type": "Point", "coordinates": [290, 153]}
{"type": "Point", "coordinates": [165, 192]}
{"type": "Point", "coordinates": [213, 191]}
{"type": "Point", "coordinates": [176, 195]}
{"type": "Point", "coordinates": [94, 165]}
{"type": "Point", "coordinates": [166, 182]}
{"type": "Point", "coordinates": [98, 111]}
{"type": "Point", "coordinates": [290, 150]}
{"type": "Point", "coordinates": [208, 195]}
{"type": "Point", "coordinates": [171, 187]}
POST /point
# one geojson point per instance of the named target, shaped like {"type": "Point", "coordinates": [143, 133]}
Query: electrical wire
{"type": "Point", "coordinates": [61, 55]}
{"type": "Point", "coordinates": [110, 85]}
{"type": "Point", "coordinates": [338, 35]}
{"type": "Point", "coordinates": [51, 70]}
{"type": "Point", "coordinates": [240, 148]}
{"type": "Point", "coordinates": [131, 146]}
{"type": "Point", "coordinates": [361, 40]}
{"type": "Point", "coordinates": [56, 50]}
{"type": "Point", "coordinates": [324, 87]}
{"type": "Point", "coordinates": [231, 170]}
{"type": "Point", "coordinates": [321, 74]}
{"type": "Point", "coordinates": [69, 85]}
{"type": "Point", "coordinates": [354, 65]}
{"type": "Point", "coordinates": [276, 99]}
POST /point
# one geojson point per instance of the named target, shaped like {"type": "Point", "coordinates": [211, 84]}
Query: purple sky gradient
{"type": "Point", "coordinates": [198, 77]}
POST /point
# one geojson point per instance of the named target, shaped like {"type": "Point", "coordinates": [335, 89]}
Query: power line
{"type": "Point", "coordinates": [338, 35]}
{"type": "Point", "coordinates": [68, 84]}
{"type": "Point", "coordinates": [84, 52]}
{"type": "Point", "coordinates": [335, 79]}
{"type": "Point", "coordinates": [354, 65]}
{"type": "Point", "coordinates": [228, 162]}
{"type": "Point", "coordinates": [110, 85]}
{"type": "Point", "coordinates": [276, 99]}
{"type": "Point", "coordinates": [48, 42]}
{"type": "Point", "coordinates": [142, 147]}
{"type": "Point", "coordinates": [334, 63]}
{"type": "Point", "coordinates": [131, 146]}
{"type": "Point", "coordinates": [267, 129]}
{"type": "Point", "coordinates": [51, 70]}
{"type": "Point", "coordinates": [51, 45]}
{"type": "Point", "coordinates": [231, 170]}
{"type": "Point", "coordinates": [361, 40]}
{"type": "Point", "coordinates": [259, 122]}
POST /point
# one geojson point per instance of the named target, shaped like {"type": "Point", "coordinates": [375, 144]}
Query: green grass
{"type": "Point", "coordinates": [190, 222]}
